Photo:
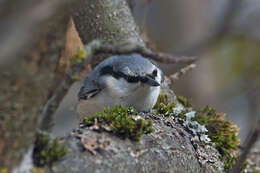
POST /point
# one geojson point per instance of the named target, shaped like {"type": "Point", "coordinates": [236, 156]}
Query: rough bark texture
{"type": "Point", "coordinates": [108, 20]}
{"type": "Point", "coordinates": [167, 149]}
{"type": "Point", "coordinates": [25, 86]}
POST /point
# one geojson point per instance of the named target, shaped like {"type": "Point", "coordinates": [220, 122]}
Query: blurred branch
{"type": "Point", "coordinates": [176, 76]}
{"type": "Point", "coordinates": [254, 99]}
{"type": "Point", "coordinates": [246, 149]}
{"type": "Point", "coordinates": [128, 48]}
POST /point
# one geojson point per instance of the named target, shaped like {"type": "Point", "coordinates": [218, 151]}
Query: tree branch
{"type": "Point", "coordinates": [176, 76]}
{"type": "Point", "coordinates": [127, 48]}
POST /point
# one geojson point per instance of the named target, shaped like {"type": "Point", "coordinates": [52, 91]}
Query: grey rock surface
{"type": "Point", "coordinates": [167, 149]}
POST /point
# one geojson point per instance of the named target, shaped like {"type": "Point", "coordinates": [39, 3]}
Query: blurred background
{"type": "Point", "coordinates": [227, 73]}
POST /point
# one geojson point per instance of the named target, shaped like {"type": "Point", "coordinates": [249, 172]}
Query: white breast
{"type": "Point", "coordinates": [118, 91]}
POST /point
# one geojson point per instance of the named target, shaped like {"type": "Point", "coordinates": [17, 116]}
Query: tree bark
{"type": "Point", "coordinates": [110, 21]}
{"type": "Point", "coordinates": [25, 86]}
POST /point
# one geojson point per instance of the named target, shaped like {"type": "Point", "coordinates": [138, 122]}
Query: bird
{"type": "Point", "coordinates": [128, 80]}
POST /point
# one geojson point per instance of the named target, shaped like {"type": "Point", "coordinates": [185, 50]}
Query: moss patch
{"type": "Point", "coordinates": [4, 170]}
{"type": "Point", "coordinates": [256, 171]}
{"type": "Point", "coordinates": [46, 151]}
{"type": "Point", "coordinates": [184, 101]}
{"type": "Point", "coordinates": [80, 56]}
{"type": "Point", "coordinates": [243, 167]}
{"type": "Point", "coordinates": [223, 134]}
{"type": "Point", "coordinates": [37, 170]}
{"type": "Point", "coordinates": [121, 121]}
{"type": "Point", "coordinates": [162, 105]}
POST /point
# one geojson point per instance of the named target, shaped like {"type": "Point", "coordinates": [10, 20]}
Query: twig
{"type": "Point", "coordinates": [254, 134]}
{"type": "Point", "coordinates": [176, 76]}
{"type": "Point", "coordinates": [130, 47]}
{"type": "Point", "coordinates": [252, 140]}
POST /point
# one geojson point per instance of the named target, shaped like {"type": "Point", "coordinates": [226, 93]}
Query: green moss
{"type": "Point", "coordinates": [80, 56]}
{"type": "Point", "coordinates": [47, 152]}
{"type": "Point", "coordinates": [120, 120]}
{"type": "Point", "coordinates": [223, 134]}
{"type": "Point", "coordinates": [4, 170]}
{"type": "Point", "coordinates": [184, 101]}
{"type": "Point", "coordinates": [75, 77]}
{"type": "Point", "coordinates": [182, 116]}
{"type": "Point", "coordinates": [243, 167]}
{"type": "Point", "coordinates": [163, 106]}
{"type": "Point", "coordinates": [256, 171]}
{"type": "Point", "coordinates": [37, 170]}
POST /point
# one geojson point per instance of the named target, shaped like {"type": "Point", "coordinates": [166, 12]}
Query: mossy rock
{"type": "Point", "coordinates": [4, 170]}
{"type": "Point", "coordinates": [223, 133]}
{"type": "Point", "coordinates": [163, 106]}
{"type": "Point", "coordinates": [184, 101]}
{"type": "Point", "coordinates": [168, 148]}
{"type": "Point", "coordinates": [47, 151]}
{"type": "Point", "coordinates": [123, 121]}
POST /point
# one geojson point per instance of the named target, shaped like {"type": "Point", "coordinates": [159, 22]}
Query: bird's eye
{"type": "Point", "coordinates": [155, 73]}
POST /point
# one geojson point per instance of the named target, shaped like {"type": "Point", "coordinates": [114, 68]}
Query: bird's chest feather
{"type": "Point", "coordinates": [139, 95]}
{"type": "Point", "coordinates": [120, 88]}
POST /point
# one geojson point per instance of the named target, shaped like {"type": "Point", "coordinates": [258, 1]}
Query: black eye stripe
{"type": "Point", "coordinates": [106, 70]}
{"type": "Point", "coordinates": [131, 79]}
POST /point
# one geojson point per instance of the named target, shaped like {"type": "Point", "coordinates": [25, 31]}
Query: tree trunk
{"type": "Point", "coordinates": [25, 87]}
{"type": "Point", "coordinates": [108, 20]}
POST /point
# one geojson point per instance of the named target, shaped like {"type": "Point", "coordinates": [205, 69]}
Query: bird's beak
{"type": "Point", "coordinates": [81, 94]}
{"type": "Point", "coordinates": [152, 82]}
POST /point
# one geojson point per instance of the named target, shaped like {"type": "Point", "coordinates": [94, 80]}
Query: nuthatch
{"type": "Point", "coordinates": [129, 80]}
